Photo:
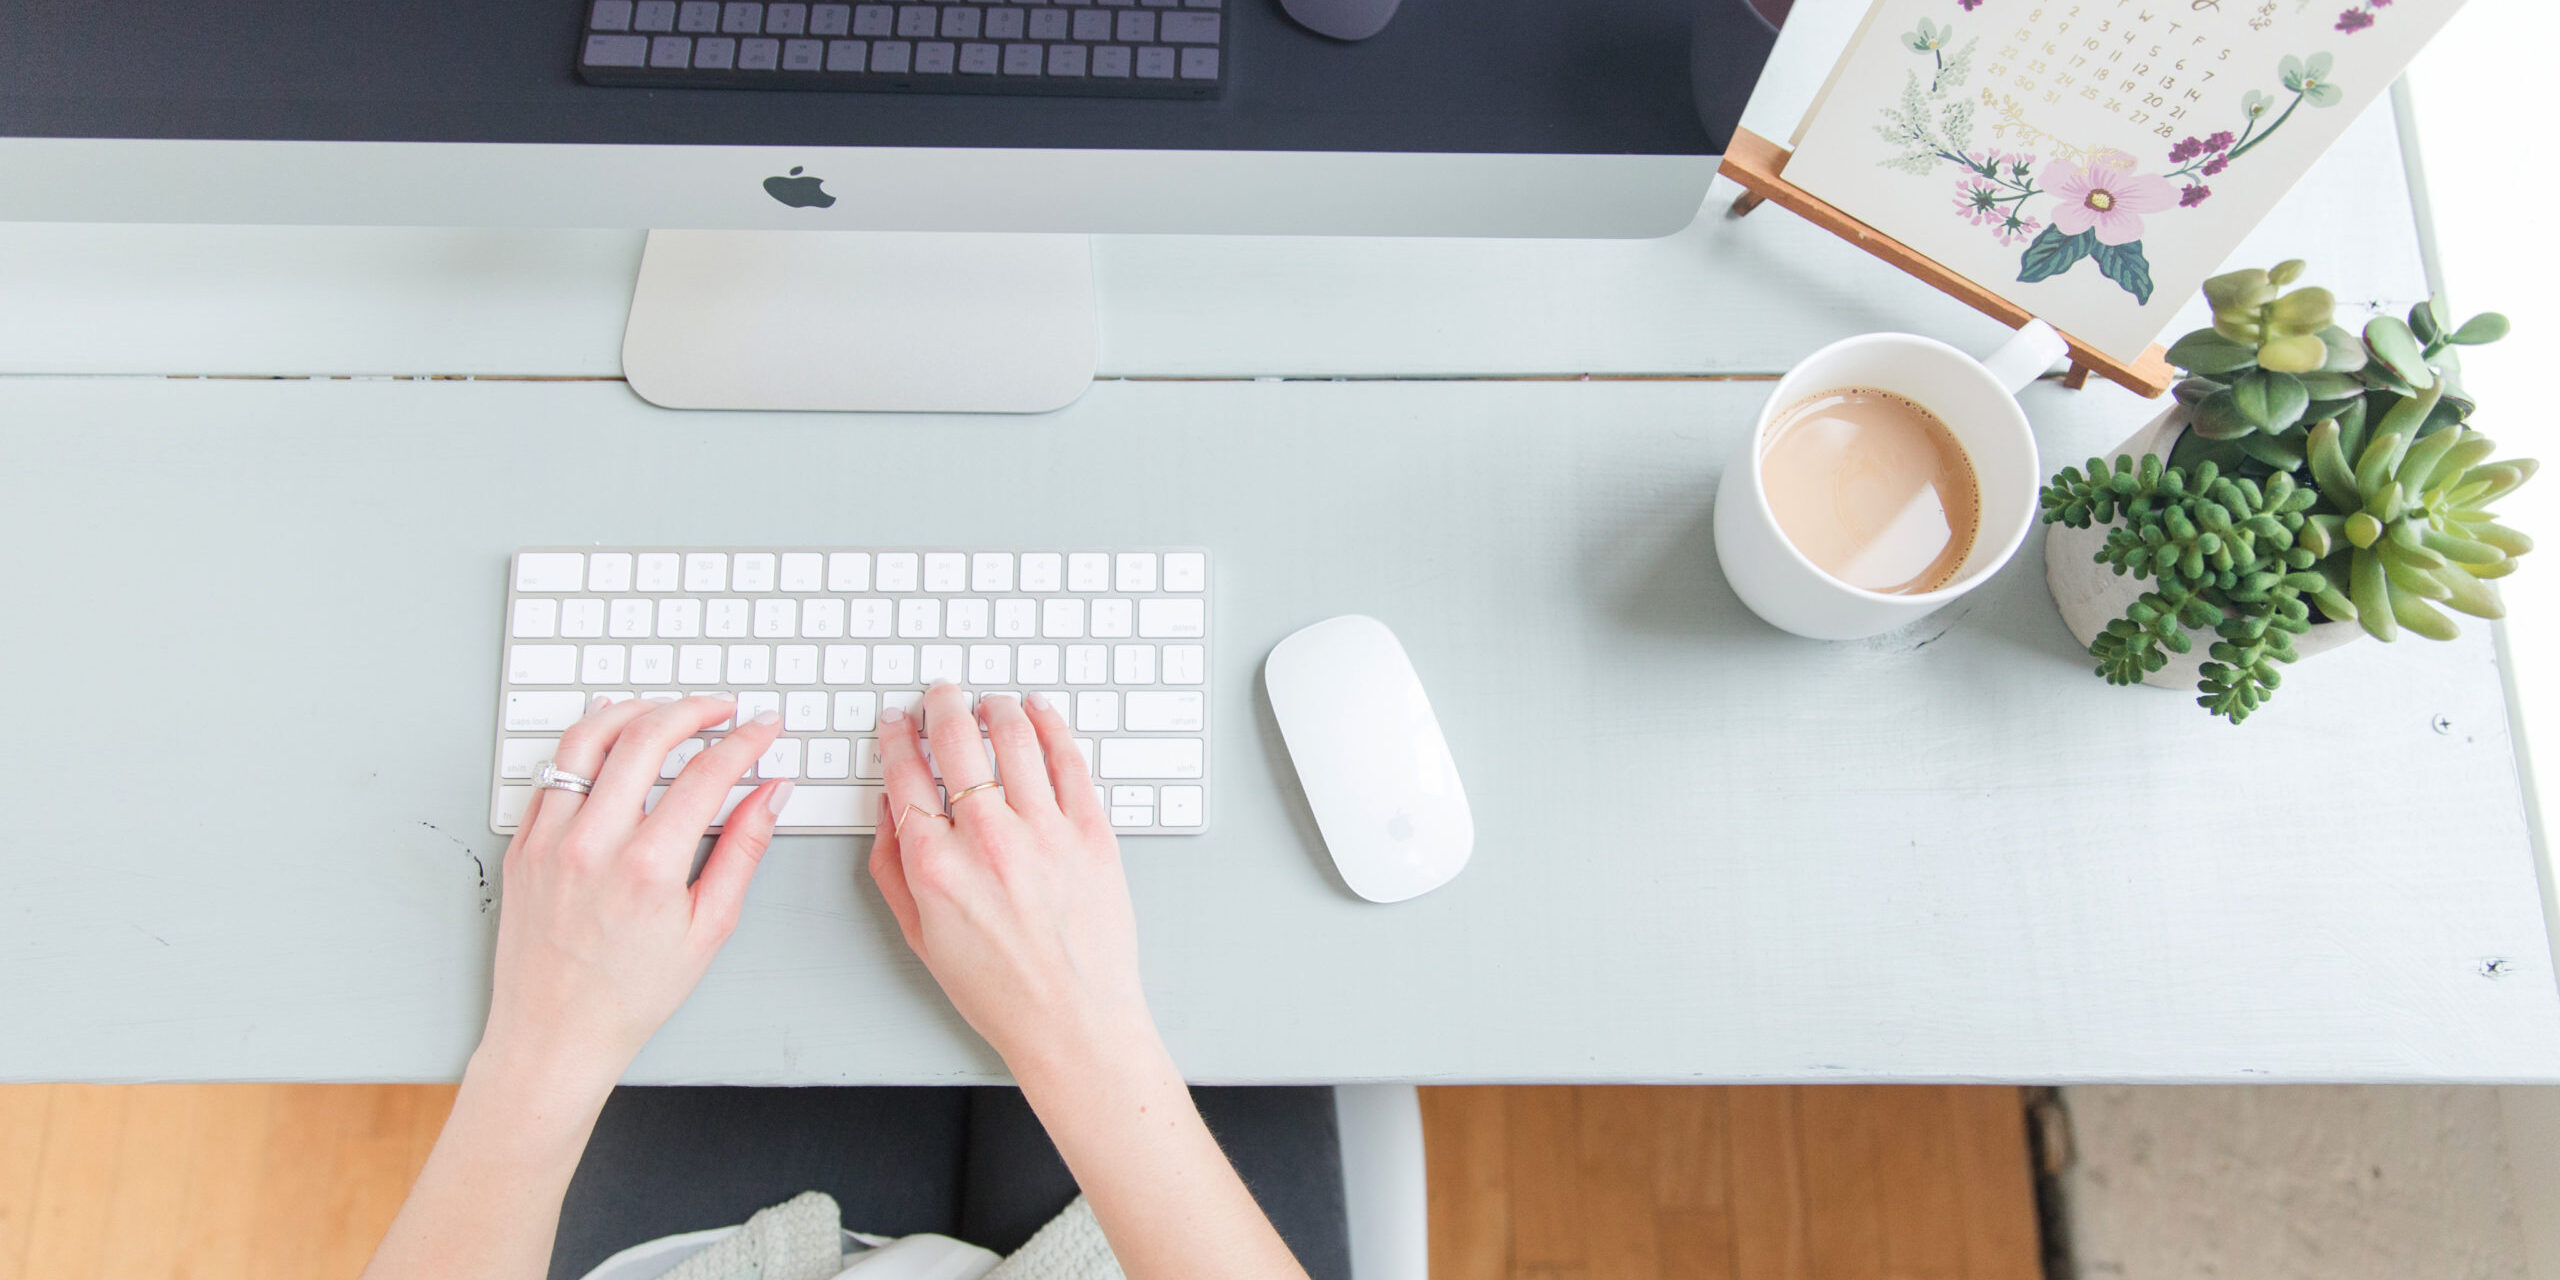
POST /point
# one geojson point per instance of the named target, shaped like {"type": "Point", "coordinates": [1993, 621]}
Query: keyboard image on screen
{"type": "Point", "coordinates": [1118, 640]}
{"type": "Point", "coordinates": [1108, 48]}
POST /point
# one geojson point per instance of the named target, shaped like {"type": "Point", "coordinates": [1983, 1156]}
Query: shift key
{"type": "Point", "coordinates": [1150, 758]}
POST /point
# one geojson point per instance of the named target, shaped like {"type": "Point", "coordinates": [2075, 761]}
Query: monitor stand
{"type": "Point", "coordinates": [925, 322]}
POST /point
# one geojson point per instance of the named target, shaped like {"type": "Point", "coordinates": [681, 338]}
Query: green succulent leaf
{"type": "Point", "coordinates": [2486, 327]}
{"type": "Point", "coordinates": [2346, 351]}
{"type": "Point", "coordinates": [2398, 350]}
{"type": "Point", "coordinates": [2269, 400]}
{"type": "Point", "coordinates": [2422, 322]}
{"type": "Point", "coordinates": [2304, 311]}
{"type": "Point", "coordinates": [2244, 290]}
{"type": "Point", "coordinates": [2209, 353]}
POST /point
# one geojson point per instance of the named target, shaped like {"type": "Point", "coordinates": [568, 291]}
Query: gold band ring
{"type": "Point", "coordinates": [953, 804]}
{"type": "Point", "coordinates": [899, 827]}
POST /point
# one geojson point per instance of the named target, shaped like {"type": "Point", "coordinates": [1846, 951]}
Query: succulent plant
{"type": "Point", "coordinates": [2275, 363]}
{"type": "Point", "coordinates": [2225, 555]}
{"type": "Point", "coordinates": [2325, 476]}
{"type": "Point", "coordinates": [2406, 525]}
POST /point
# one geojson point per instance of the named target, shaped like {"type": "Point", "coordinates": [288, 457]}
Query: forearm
{"type": "Point", "coordinates": [488, 1202]}
{"type": "Point", "coordinates": [1167, 1198]}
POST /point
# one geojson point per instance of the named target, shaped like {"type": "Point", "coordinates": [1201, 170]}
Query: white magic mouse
{"type": "Point", "coordinates": [1342, 19]}
{"type": "Point", "coordinates": [1369, 753]}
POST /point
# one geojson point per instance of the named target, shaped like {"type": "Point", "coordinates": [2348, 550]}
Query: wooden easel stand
{"type": "Point", "coordinates": [1757, 163]}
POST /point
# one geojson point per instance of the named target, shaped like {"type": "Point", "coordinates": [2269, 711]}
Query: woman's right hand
{"type": "Point", "coordinates": [1015, 900]}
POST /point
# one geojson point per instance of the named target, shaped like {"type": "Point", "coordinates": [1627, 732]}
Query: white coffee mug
{"type": "Point", "coordinates": [1977, 399]}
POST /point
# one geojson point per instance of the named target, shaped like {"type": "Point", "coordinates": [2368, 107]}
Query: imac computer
{"type": "Point", "coordinates": [878, 205]}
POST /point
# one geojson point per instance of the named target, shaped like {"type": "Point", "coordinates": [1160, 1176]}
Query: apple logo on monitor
{"type": "Point", "coordinates": [799, 192]}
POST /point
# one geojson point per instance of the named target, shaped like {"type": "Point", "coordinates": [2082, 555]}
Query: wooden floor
{"type": "Point", "coordinates": [296, 1182]}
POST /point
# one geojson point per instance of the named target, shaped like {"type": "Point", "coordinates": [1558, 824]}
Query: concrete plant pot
{"type": "Point", "coordinates": [2091, 594]}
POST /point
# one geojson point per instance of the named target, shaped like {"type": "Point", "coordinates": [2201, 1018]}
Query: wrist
{"type": "Point", "coordinates": [546, 1099]}
{"type": "Point", "coordinates": [1107, 1056]}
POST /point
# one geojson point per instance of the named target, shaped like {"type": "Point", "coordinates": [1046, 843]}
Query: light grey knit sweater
{"type": "Point", "coordinates": [801, 1239]}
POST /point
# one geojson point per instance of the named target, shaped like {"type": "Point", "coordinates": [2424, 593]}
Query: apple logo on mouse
{"type": "Point", "coordinates": [798, 191]}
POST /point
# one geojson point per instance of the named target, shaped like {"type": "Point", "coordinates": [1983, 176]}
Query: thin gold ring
{"type": "Point", "coordinates": [953, 804]}
{"type": "Point", "coordinates": [899, 827]}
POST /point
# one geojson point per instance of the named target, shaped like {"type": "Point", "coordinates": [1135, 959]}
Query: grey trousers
{"type": "Point", "coordinates": [973, 1164]}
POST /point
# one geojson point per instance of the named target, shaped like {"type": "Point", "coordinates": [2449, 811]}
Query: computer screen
{"type": "Point", "coordinates": [1487, 117]}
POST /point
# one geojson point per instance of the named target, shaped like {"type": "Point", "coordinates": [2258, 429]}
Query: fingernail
{"type": "Point", "coordinates": [597, 703]}
{"type": "Point", "coordinates": [722, 697]}
{"type": "Point", "coordinates": [893, 714]}
{"type": "Point", "coordinates": [779, 796]}
{"type": "Point", "coordinates": [768, 717]}
{"type": "Point", "coordinates": [1040, 700]}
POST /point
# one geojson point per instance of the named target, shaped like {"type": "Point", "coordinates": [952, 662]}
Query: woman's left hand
{"type": "Point", "coordinates": [600, 938]}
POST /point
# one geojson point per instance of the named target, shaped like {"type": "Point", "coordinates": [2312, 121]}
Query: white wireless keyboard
{"type": "Point", "coordinates": [827, 637]}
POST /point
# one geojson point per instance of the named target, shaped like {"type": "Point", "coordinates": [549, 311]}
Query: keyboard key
{"type": "Point", "coordinates": [830, 758]}
{"type": "Point", "coordinates": [891, 57]}
{"type": "Point", "coordinates": [1048, 24]}
{"type": "Point", "coordinates": [1185, 664]}
{"type": "Point", "coordinates": [803, 572]}
{"type": "Point", "coordinates": [1086, 663]}
{"type": "Point", "coordinates": [849, 571]}
{"type": "Point", "coordinates": [1152, 712]}
{"type": "Point", "coordinates": [920, 619]}
{"type": "Point", "coordinates": [1186, 571]}
{"type": "Point", "coordinates": [795, 664]}
{"type": "Point", "coordinates": [979, 59]}
{"type": "Point", "coordinates": [991, 572]}
{"type": "Point", "coordinates": [581, 619]}
{"type": "Point", "coordinates": [749, 663]}
{"type": "Point", "coordinates": [893, 664]}
{"type": "Point", "coordinates": [1111, 619]}
{"type": "Point", "coordinates": [542, 712]}
{"type": "Point", "coordinates": [615, 51]}
{"type": "Point", "coordinates": [894, 571]}
{"type": "Point", "coordinates": [1137, 572]}
{"type": "Point", "coordinates": [1062, 619]}
{"type": "Point", "coordinates": [806, 712]}
{"type": "Point", "coordinates": [1136, 28]}
{"type": "Point", "coordinates": [1042, 570]}
{"type": "Point", "coordinates": [1088, 571]}
{"type": "Point", "coordinates": [940, 663]}
{"type": "Point", "coordinates": [755, 702]}
{"type": "Point", "coordinates": [1017, 619]}
{"type": "Point", "coordinates": [679, 619]}
{"type": "Point", "coordinates": [523, 757]}
{"type": "Point", "coordinates": [698, 664]}
{"type": "Point", "coordinates": [934, 58]}
{"type": "Point", "coordinates": [706, 571]}
{"type": "Point", "coordinates": [1038, 663]}
{"type": "Point", "coordinates": [946, 572]}
{"type": "Point", "coordinates": [965, 619]}
{"type": "Point", "coordinates": [822, 619]}
{"type": "Point", "coordinates": [602, 664]}
{"type": "Point", "coordinates": [1098, 711]}
{"type": "Point", "coordinates": [654, 15]}
{"type": "Point", "coordinates": [1198, 63]}
{"type": "Point", "coordinates": [751, 571]}
{"type": "Point", "coordinates": [657, 572]}
{"type": "Point", "coordinates": [1137, 795]}
{"type": "Point", "coordinates": [1155, 62]}
{"type": "Point", "coordinates": [781, 760]}
{"type": "Point", "coordinates": [874, 20]}
{"type": "Point", "coordinates": [1179, 806]}
{"type": "Point", "coordinates": [653, 663]}
{"type": "Point", "coordinates": [1093, 25]}
{"type": "Point", "coordinates": [845, 663]}
{"type": "Point", "coordinates": [628, 619]}
{"type": "Point", "coordinates": [959, 22]}
{"type": "Point", "coordinates": [856, 711]}
{"type": "Point", "coordinates": [1133, 664]}
{"type": "Point", "coordinates": [1188, 28]}
{"type": "Point", "coordinates": [542, 663]}
{"type": "Point", "coordinates": [805, 55]}
{"type": "Point", "coordinates": [1066, 60]}
{"type": "Point", "coordinates": [609, 15]}
{"type": "Point", "coordinates": [512, 802]}
{"type": "Point", "coordinates": [743, 18]}
{"type": "Point", "coordinates": [785, 19]}
{"type": "Point", "coordinates": [698, 16]}
{"type": "Point", "coordinates": [1004, 24]}
{"type": "Point", "coordinates": [725, 618]}
{"type": "Point", "coordinates": [1149, 758]}
{"type": "Point", "coordinates": [535, 620]}
{"type": "Point", "coordinates": [834, 20]}
{"type": "Point", "coordinates": [1124, 816]}
{"type": "Point", "coordinates": [609, 571]}
{"type": "Point", "coordinates": [780, 619]}
{"type": "Point", "coordinates": [1022, 59]}
{"type": "Point", "coordinates": [990, 664]}
{"type": "Point", "coordinates": [558, 572]}
{"type": "Point", "coordinates": [671, 53]}
{"type": "Point", "coordinates": [867, 619]}
{"type": "Point", "coordinates": [714, 53]}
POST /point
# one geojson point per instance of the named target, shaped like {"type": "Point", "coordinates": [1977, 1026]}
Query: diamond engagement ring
{"type": "Point", "coordinates": [556, 778]}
